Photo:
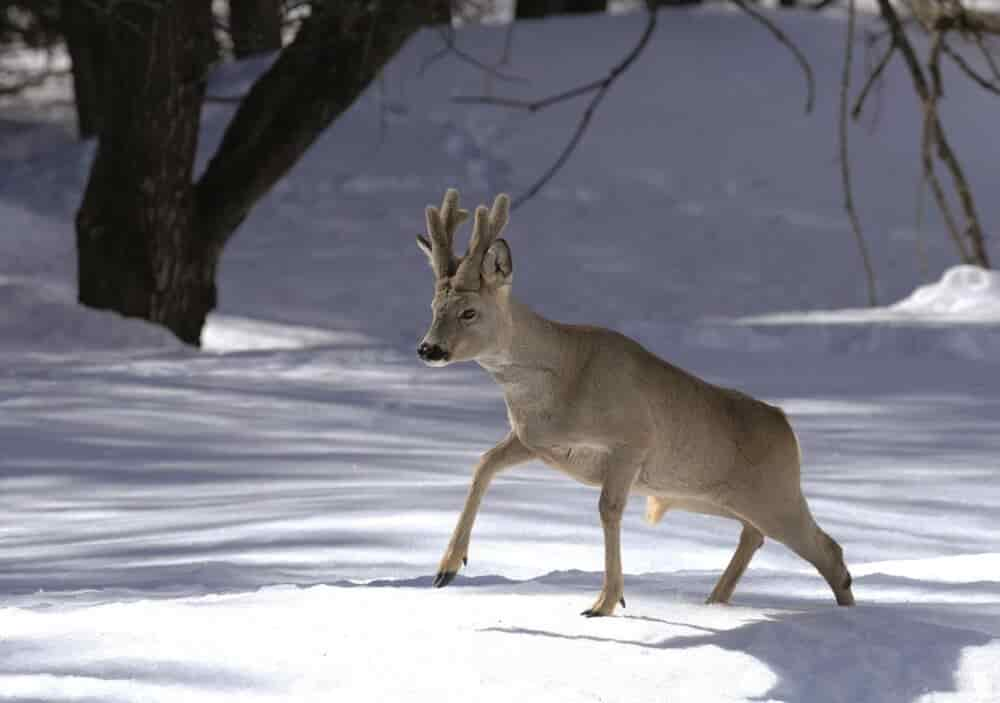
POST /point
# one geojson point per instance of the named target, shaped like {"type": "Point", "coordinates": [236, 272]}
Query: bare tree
{"type": "Point", "coordinates": [149, 238]}
{"type": "Point", "coordinates": [940, 20]}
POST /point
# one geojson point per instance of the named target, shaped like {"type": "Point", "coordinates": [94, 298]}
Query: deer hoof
{"type": "Point", "coordinates": [592, 613]}
{"type": "Point", "coordinates": [443, 578]}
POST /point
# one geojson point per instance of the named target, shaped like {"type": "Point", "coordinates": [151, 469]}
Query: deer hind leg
{"type": "Point", "coordinates": [823, 552]}
{"type": "Point", "coordinates": [750, 541]}
{"type": "Point", "coordinates": [800, 533]}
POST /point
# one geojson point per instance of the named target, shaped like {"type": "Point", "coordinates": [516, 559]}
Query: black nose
{"type": "Point", "coordinates": [431, 352]}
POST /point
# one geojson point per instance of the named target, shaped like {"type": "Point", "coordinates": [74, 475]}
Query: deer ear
{"type": "Point", "coordinates": [425, 246]}
{"type": "Point", "coordinates": [497, 265]}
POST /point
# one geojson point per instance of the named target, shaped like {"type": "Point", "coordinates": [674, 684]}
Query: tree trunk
{"type": "Point", "coordinates": [255, 26]}
{"type": "Point", "coordinates": [584, 6]}
{"type": "Point", "coordinates": [148, 239]}
{"type": "Point", "coordinates": [139, 247]}
{"type": "Point", "coordinates": [84, 29]}
{"type": "Point", "coordinates": [532, 9]}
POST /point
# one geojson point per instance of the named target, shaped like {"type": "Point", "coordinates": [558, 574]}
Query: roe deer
{"type": "Point", "coordinates": [598, 406]}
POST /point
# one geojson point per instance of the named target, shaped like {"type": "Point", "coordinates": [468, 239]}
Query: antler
{"type": "Point", "coordinates": [485, 230]}
{"type": "Point", "coordinates": [441, 226]}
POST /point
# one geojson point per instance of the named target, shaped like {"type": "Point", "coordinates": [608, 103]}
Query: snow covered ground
{"type": "Point", "coordinates": [261, 520]}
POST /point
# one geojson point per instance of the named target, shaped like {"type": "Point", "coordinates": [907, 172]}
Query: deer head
{"type": "Point", "coordinates": [470, 293]}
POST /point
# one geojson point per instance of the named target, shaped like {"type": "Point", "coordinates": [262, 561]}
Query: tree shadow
{"type": "Point", "coordinates": [868, 654]}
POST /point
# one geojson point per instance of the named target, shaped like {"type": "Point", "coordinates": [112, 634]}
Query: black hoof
{"type": "Point", "coordinates": [443, 578]}
{"type": "Point", "coordinates": [591, 613]}
{"type": "Point", "coordinates": [465, 561]}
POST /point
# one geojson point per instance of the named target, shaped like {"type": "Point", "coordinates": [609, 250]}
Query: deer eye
{"type": "Point", "coordinates": [469, 314]}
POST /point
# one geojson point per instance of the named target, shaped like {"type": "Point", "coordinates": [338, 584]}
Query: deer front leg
{"type": "Point", "coordinates": [507, 453]}
{"type": "Point", "coordinates": [614, 494]}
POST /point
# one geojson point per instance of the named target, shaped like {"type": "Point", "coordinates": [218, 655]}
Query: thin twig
{"type": "Point", "coordinates": [598, 87]}
{"type": "Point", "coordinates": [432, 59]}
{"type": "Point", "coordinates": [919, 226]}
{"type": "Point", "coordinates": [988, 55]}
{"type": "Point", "coordinates": [450, 47]}
{"type": "Point", "coordinates": [531, 105]}
{"type": "Point", "coordinates": [927, 159]}
{"type": "Point", "coordinates": [503, 59]}
{"type": "Point", "coordinates": [508, 43]}
{"type": "Point", "coordinates": [969, 70]}
{"type": "Point", "coordinates": [873, 78]}
{"type": "Point", "coordinates": [934, 135]}
{"type": "Point", "coordinates": [845, 162]}
{"type": "Point", "coordinates": [783, 39]}
{"type": "Point", "coordinates": [973, 230]}
{"type": "Point", "coordinates": [599, 94]}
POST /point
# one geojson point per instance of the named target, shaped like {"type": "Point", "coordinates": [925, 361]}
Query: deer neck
{"type": "Point", "coordinates": [528, 346]}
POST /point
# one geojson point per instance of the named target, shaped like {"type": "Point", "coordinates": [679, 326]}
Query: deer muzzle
{"type": "Point", "coordinates": [431, 353]}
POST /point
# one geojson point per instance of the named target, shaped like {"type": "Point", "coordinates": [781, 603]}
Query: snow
{"type": "Point", "coordinates": [488, 642]}
{"type": "Point", "coordinates": [964, 295]}
{"type": "Point", "coordinates": [957, 317]}
{"type": "Point", "coordinates": [261, 520]}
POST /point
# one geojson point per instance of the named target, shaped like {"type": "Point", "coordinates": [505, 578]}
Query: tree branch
{"type": "Point", "coordinates": [315, 78]}
{"type": "Point", "coordinates": [598, 87]}
{"type": "Point", "coordinates": [873, 78]}
{"type": "Point", "coordinates": [927, 158]}
{"type": "Point", "coordinates": [947, 15]}
{"type": "Point", "coordinates": [973, 230]}
{"type": "Point", "coordinates": [450, 47]}
{"type": "Point", "coordinates": [531, 105]}
{"type": "Point", "coordinates": [601, 89]}
{"type": "Point", "coordinates": [990, 61]}
{"type": "Point", "coordinates": [845, 159]}
{"type": "Point", "coordinates": [783, 39]}
{"type": "Point", "coordinates": [969, 71]}
{"type": "Point", "coordinates": [934, 135]}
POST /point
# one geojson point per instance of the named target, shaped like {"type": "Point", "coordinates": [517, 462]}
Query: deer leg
{"type": "Point", "coordinates": [614, 494]}
{"type": "Point", "coordinates": [798, 531]}
{"type": "Point", "coordinates": [750, 541]}
{"type": "Point", "coordinates": [820, 550]}
{"type": "Point", "coordinates": [507, 453]}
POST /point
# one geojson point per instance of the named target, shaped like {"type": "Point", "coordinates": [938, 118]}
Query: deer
{"type": "Point", "coordinates": [598, 406]}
